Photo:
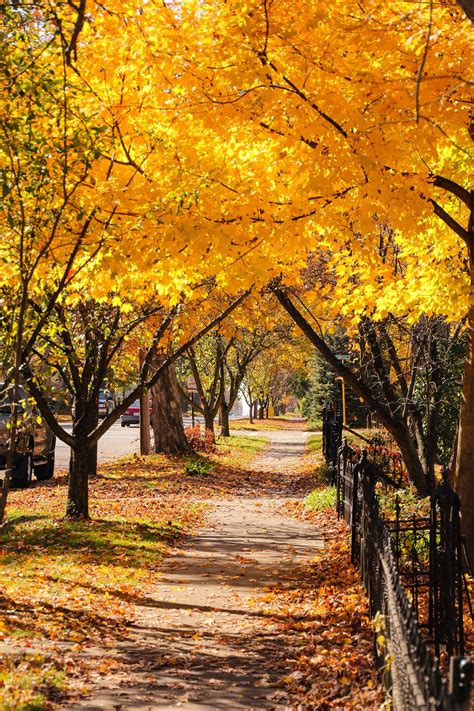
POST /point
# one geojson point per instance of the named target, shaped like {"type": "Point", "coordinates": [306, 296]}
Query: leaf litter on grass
{"type": "Point", "coordinates": [74, 586]}
{"type": "Point", "coordinates": [67, 586]}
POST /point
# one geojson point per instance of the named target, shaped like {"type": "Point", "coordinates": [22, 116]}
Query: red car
{"type": "Point", "coordinates": [131, 416]}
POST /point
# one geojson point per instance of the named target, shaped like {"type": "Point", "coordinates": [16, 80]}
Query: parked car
{"type": "Point", "coordinates": [106, 403]}
{"type": "Point", "coordinates": [131, 416]}
{"type": "Point", "coordinates": [35, 442]}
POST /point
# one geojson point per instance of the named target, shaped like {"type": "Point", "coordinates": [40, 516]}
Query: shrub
{"type": "Point", "coordinates": [197, 467]}
{"type": "Point", "coordinates": [200, 442]}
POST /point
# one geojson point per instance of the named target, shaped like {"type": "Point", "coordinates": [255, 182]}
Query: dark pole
{"type": "Point", "coordinates": [145, 444]}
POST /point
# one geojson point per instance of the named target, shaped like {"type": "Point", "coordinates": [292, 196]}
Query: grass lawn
{"type": "Point", "coordinates": [315, 444]}
{"type": "Point", "coordinates": [246, 448]}
{"type": "Point", "coordinates": [66, 585]}
{"type": "Point", "coordinates": [270, 423]}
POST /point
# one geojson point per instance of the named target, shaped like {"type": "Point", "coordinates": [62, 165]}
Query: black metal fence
{"type": "Point", "coordinates": [332, 432]}
{"type": "Point", "coordinates": [412, 570]}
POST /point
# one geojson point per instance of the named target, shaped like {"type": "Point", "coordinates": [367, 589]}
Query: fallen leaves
{"type": "Point", "coordinates": [326, 627]}
{"type": "Point", "coordinates": [72, 590]}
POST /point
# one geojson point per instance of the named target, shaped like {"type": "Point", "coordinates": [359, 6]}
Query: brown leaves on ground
{"type": "Point", "coordinates": [69, 587]}
{"type": "Point", "coordinates": [329, 640]}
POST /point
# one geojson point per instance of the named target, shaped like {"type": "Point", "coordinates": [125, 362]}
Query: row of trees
{"type": "Point", "coordinates": [159, 161]}
{"type": "Point", "coordinates": [252, 361]}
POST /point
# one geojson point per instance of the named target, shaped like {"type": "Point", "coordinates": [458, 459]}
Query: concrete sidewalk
{"type": "Point", "coordinates": [198, 642]}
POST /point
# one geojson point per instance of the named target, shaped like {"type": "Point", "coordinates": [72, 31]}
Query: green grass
{"type": "Point", "coordinates": [104, 542]}
{"type": "Point", "coordinates": [321, 499]}
{"type": "Point", "coordinates": [315, 425]}
{"type": "Point", "coordinates": [198, 467]}
{"type": "Point", "coordinates": [324, 496]}
{"type": "Point", "coordinates": [240, 448]}
{"type": "Point", "coordinates": [315, 443]}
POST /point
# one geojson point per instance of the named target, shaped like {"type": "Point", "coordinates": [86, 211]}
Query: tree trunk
{"type": "Point", "coordinates": [225, 429]}
{"type": "Point", "coordinates": [92, 452]}
{"type": "Point", "coordinates": [208, 421]}
{"type": "Point", "coordinates": [251, 412]}
{"type": "Point", "coordinates": [397, 427]}
{"type": "Point", "coordinates": [92, 460]}
{"type": "Point", "coordinates": [83, 461]}
{"type": "Point", "coordinates": [167, 417]}
{"type": "Point", "coordinates": [78, 490]}
{"type": "Point", "coordinates": [145, 443]}
{"type": "Point", "coordinates": [464, 473]}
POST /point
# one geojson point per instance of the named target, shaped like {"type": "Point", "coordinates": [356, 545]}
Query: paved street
{"type": "Point", "coordinates": [114, 444]}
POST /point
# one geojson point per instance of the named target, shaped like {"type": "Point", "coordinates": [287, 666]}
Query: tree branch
{"type": "Point", "coordinates": [453, 224]}
{"type": "Point", "coordinates": [455, 189]}
{"type": "Point", "coordinates": [120, 409]}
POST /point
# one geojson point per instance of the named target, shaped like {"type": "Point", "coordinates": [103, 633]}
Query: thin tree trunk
{"type": "Point", "coordinates": [251, 412]}
{"type": "Point", "coordinates": [395, 426]}
{"type": "Point", "coordinates": [225, 428]}
{"type": "Point", "coordinates": [208, 421]}
{"type": "Point", "coordinates": [167, 417]}
{"type": "Point", "coordinates": [145, 444]}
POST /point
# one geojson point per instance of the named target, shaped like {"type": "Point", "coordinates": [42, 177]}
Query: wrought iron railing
{"type": "Point", "coordinates": [412, 570]}
{"type": "Point", "coordinates": [332, 434]}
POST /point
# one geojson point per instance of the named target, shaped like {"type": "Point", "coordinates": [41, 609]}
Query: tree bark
{"type": "Point", "coordinates": [208, 421]}
{"type": "Point", "coordinates": [464, 472]}
{"type": "Point", "coordinates": [225, 428]}
{"type": "Point", "coordinates": [92, 449]}
{"type": "Point", "coordinates": [145, 443]}
{"type": "Point", "coordinates": [78, 490]}
{"type": "Point", "coordinates": [468, 7]}
{"type": "Point", "coordinates": [83, 462]}
{"type": "Point", "coordinates": [167, 417]}
{"type": "Point", "coordinates": [92, 460]}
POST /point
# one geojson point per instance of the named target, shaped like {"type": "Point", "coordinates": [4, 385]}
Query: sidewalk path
{"type": "Point", "coordinates": [198, 642]}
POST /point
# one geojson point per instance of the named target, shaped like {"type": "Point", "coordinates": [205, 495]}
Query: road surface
{"type": "Point", "coordinates": [116, 442]}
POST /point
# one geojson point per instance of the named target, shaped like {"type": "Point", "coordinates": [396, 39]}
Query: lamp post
{"type": "Point", "coordinates": [343, 392]}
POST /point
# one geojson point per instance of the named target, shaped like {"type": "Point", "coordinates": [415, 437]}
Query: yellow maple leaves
{"type": "Point", "coordinates": [218, 142]}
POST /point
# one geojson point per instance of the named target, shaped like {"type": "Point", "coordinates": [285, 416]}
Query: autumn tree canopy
{"type": "Point", "coordinates": [149, 150]}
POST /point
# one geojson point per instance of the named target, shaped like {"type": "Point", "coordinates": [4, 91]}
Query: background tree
{"type": "Point", "coordinates": [247, 344]}
{"type": "Point", "coordinates": [205, 363]}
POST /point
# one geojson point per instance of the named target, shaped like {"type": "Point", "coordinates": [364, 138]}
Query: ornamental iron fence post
{"type": "Point", "coordinates": [446, 570]}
